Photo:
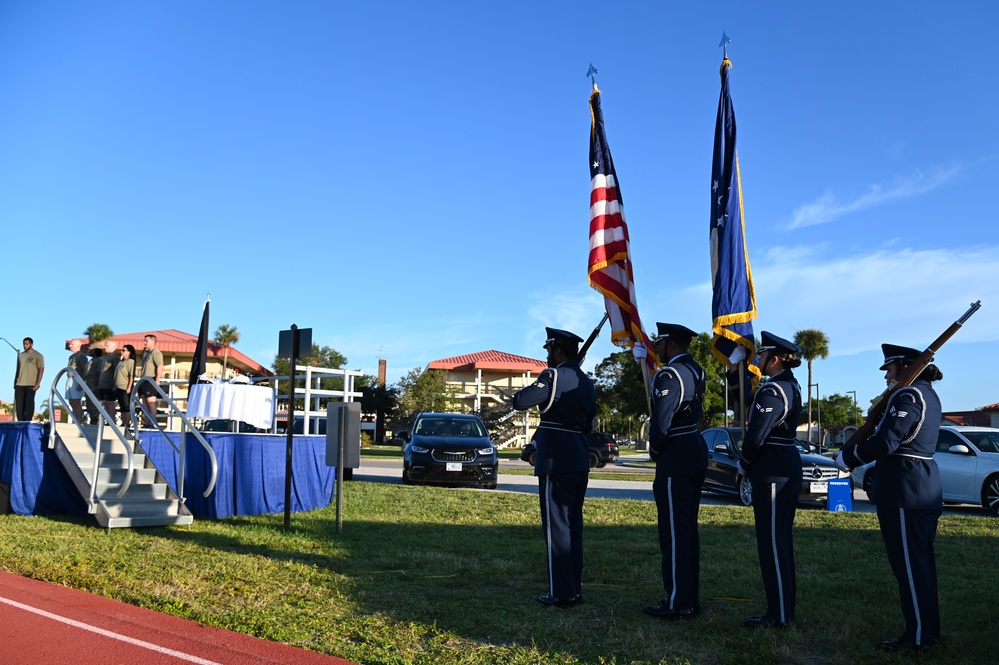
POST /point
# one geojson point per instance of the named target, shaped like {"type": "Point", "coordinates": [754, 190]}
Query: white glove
{"type": "Point", "coordinates": [639, 351]}
{"type": "Point", "coordinates": [741, 469]}
{"type": "Point", "coordinates": [841, 463]}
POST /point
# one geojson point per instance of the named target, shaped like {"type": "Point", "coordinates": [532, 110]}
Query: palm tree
{"type": "Point", "coordinates": [226, 335]}
{"type": "Point", "coordinates": [814, 344]}
{"type": "Point", "coordinates": [98, 332]}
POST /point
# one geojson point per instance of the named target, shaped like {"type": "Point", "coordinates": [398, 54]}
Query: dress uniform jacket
{"type": "Point", "coordinates": [909, 499]}
{"type": "Point", "coordinates": [681, 456]}
{"type": "Point", "coordinates": [903, 444]}
{"type": "Point", "coordinates": [773, 466]}
{"type": "Point", "coordinates": [566, 398]}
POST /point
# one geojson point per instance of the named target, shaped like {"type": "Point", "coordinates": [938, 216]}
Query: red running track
{"type": "Point", "coordinates": [43, 623]}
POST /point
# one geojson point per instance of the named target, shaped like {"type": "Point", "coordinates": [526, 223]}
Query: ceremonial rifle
{"type": "Point", "coordinates": [905, 378]}
{"type": "Point", "coordinates": [593, 335]}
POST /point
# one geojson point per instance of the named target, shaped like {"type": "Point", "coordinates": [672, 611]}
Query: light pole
{"type": "Point", "coordinates": [724, 383]}
{"type": "Point", "coordinates": [856, 423]}
{"type": "Point", "coordinates": [810, 386]}
{"type": "Point", "coordinates": [818, 416]}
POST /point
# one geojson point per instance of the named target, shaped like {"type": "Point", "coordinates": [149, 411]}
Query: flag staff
{"type": "Point", "coordinates": [733, 306]}
{"type": "Point", "coordinates": [725, 41]}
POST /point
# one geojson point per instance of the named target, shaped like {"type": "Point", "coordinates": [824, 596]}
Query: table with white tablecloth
{"type": "Point", "coordinates": [232, 401]}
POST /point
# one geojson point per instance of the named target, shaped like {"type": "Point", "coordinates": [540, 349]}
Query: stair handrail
{"type": "Point", "coordinates": [105, 417]}
{"type": "Point", "coordinates": [184, 423]}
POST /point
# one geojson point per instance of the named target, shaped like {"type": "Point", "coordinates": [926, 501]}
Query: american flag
{"type": "Point", "coordinates": [610, 270]}
{"type": "Point", "coordinates": [733, 303]}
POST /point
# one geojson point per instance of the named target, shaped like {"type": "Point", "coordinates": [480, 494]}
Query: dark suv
{"type": "Point", "coordinates": [602, 449]}
{"type": "Point", "coordinates": [449, 449]}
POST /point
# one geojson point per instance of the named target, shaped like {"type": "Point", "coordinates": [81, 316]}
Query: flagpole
{"type": "Point", "coordinates": [742, 397]}
{"type": "Point", "coordinates": [648, 384]}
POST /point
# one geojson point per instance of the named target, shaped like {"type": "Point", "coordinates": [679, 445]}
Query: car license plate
{"type": "Point", "coordinates": [454, 466]}
{"type": "Point", "coordinates": [820, 488]}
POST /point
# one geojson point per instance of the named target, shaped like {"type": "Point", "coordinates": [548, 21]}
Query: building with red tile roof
{"type": "Point", "coordinates": [178, 347]}
{"type": "Point", "coordinates": [485, 382]}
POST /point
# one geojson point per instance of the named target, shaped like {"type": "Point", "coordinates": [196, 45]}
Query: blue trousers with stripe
{"type": "Point", "coordinates": [562, 497]}
{"type": "Point", "coordinates": [774, 505]}
{"type": "Point", "coordinates": [908, 535]}
{"type": "Point", "coordinates": [678, 500]}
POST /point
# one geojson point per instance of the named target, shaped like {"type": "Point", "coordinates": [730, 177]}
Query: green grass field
{"type": "Point", "coordinates": [437, 575]}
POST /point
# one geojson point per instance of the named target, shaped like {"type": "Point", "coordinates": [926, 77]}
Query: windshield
{"type": "Point", "coordinates": [987, 442]}
{"type": "Point", "coordinates": [462, 427]}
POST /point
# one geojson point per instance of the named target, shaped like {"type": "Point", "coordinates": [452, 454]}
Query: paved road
{"type": "Point", "coordinates": [385, 470]}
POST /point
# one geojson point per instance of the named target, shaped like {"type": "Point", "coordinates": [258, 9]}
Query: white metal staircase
{"type": "Point", "coordinates": [147, 501]}
{"type": "Point", "coordinates": [119, 483]}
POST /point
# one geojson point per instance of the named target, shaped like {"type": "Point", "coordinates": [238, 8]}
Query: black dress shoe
{"type": "Point", "coordinates": [765, 622]}
{"type": "Point", "coordinates": [901, 645]}
{"type": "Point", "coordinates": [664, 612]}
{"type": "Point", "coordinates": [548, 599]}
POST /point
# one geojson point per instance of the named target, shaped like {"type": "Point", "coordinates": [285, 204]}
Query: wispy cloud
{"type": "Point", "coordinates": [828, 207]}
{"type": "Point", "coordinates": [901, 294]}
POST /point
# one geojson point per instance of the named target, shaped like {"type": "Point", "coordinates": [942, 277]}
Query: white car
{"type": "Point", "coordinates": [968, 458]}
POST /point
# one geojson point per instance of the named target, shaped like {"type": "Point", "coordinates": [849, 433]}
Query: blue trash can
{"type": "Point", "coordinates": [840, 497]}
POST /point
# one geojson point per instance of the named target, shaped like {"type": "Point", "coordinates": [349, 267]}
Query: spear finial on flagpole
{"type": "Point", "coordinates": [723, 44]}
{"type": "Point", "coordinates": [592, 73]}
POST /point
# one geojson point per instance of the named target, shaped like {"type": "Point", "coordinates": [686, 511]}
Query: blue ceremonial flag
{"type": "Point", "coordinates": [733, 303]}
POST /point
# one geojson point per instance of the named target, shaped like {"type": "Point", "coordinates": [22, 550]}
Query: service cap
{"type": "Point", "coordinates": [562, 338]}
{"type": "Point", "coordinates": [681, 334]}
{"type": "Point", "coordinates": [895, 352]}
{"type": "Point", "coordinates": [771, 342]}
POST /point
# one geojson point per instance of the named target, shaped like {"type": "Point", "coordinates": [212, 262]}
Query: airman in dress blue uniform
{"type": "Point", "coordinates": [681, 456]}
{"type": "Point", "coordinates": [908, 494]}
{"type": "Point", "coordinates": [771, 462]}
{"type": "Point", "coordinates": [566, 398]}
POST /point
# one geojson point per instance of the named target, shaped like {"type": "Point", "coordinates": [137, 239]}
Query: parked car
{"type": "Point", "coordinates": [968, 458]}
{"type": "Point", "coordinates": [317, 425]}
{"type": "Point", "coordinates": [602, 450]}
{"type": "Point", "coordinates": [221, 425]}
{"type": "Point", "coordinates": [449, 449]}
{"type": "Point", "coordinates": [724, 449]}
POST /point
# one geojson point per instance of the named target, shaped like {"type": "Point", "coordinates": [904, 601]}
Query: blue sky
{"type": "Point", "coordinates": [410, 179]}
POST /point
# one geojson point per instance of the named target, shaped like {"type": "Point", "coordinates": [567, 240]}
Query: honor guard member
{"type": "Point", "coordinates": [771, 461]}
{"type": "Point", "coordinates": [681, 457]}
{"type": "Point", "coordinates": [908, 494]}
{"type": "Point", "coordinates": [566, 398]}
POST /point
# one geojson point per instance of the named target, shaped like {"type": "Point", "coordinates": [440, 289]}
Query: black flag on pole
{"type": "Point", "coordinates": [200, 362]}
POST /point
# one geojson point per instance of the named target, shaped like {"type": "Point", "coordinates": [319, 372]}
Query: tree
{"type": "Point", "coordinates": [713, 413]}
{"type": "Point", "coordinates": [839, 411]}
{"type": "Point", "coordinates": [814, 344]}
{"type": "Point", "coordinates": [226, 335]}
{"type": "Point", "coordinates": [382, 400]}
{"type": "Point", "coordinates": [424, 391]}
{"type": "Point", "coordinates": [98, 332]}
{"type": "Point", "coordinates": [621, 390]}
